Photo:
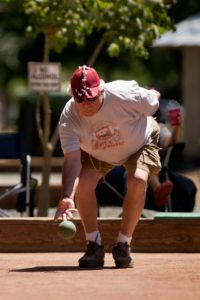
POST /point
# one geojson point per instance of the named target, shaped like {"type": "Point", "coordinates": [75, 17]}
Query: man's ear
{"type": "Point", "coordinates": [101, 92]}
{"type": "Point", "coordinates": [101, 87]}
{"type": "Point", "coordinates": [69, 91]}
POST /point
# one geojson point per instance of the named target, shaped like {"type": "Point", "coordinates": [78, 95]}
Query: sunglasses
{"type": "Point", "coordinates": [88, 100]}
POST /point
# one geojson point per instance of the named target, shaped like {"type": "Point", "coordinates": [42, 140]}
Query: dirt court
{"type": "Point", "coordinates": [51, 276]}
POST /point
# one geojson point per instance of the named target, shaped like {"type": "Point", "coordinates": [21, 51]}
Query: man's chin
{"type": "Point", "coordinates": [87, 113]}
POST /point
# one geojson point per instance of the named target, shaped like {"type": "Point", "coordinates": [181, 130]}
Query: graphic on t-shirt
{"type": "Point", "coordinates": [105, 135]}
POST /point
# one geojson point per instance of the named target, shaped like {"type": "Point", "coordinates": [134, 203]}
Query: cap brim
{"type": "Point", "coordinates": [95, 91]}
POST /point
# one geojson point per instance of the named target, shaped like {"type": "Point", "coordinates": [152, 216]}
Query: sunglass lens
{"type": "Point", "coordinates": [89, 100]}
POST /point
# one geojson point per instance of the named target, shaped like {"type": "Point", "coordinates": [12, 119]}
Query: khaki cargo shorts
{"type": "Point", "coordinates": [147, 158]}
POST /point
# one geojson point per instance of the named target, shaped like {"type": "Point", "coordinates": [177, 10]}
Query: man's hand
{"type": "Point", "coordinates": [65, 209]}
{"type": "Point", "coordinates": [176, 117]}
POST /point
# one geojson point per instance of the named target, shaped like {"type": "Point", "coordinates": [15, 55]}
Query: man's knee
{"type": "Point", "coordinates": [137, 179]}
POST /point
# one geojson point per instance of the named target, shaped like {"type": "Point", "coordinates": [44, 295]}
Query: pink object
{"type": "Point", "coordinates": [162, 193]}
{"type": "Point", "coordinates": [174, 115]}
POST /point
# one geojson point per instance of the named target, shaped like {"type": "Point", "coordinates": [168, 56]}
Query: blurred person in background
{"type": "Point", "coordinates": [168, 136]}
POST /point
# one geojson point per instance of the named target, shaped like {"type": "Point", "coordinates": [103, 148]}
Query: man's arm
{"type": "Point", "coordinates": [70, 173]}
{"type": "Point", "coordinates": [70, 178]}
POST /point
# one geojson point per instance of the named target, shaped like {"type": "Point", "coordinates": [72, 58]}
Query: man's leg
{"type": "Point", "coordinates": [134, 200]}
{"type": "Point", "coordinates": [86, 199]}
{"type": "Point", "coordinates": [140, 166]}
{"type": "Point", "coordinates": [88, 209]}
{"type": "Point", "coordinates": [132, 208]}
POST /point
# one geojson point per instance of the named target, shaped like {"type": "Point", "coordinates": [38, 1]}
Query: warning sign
{"type": "Point", "coordinates": [44, 77]}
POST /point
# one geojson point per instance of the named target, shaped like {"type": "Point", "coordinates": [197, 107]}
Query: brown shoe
{"type": "Point", "coordinates": [93, 257]}
{"type": "Point", "coordinates": [121, 255]}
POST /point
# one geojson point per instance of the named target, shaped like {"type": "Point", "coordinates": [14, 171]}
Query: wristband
{"type": "Point", "coordinates": [65, 196]}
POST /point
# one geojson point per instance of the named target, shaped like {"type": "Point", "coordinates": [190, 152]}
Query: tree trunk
{"type": "Point", "coordinates": [48, 142]}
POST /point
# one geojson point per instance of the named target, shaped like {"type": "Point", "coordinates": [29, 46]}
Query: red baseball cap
{"type": "Point", "coordinates": [85, 83]}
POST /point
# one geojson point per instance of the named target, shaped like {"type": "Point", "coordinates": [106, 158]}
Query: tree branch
{"type": "Point", "coordinates": [46, 48]}
{"type": "Point", "coordinates": [47, 118]}
{"type": "Point", "coordinates": [54, 138]}
{"type": "Point", "coordinates": [96, 51]}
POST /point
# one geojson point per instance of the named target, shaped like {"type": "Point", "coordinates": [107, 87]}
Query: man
{"type": "Point", "coordinates": [102, 126]}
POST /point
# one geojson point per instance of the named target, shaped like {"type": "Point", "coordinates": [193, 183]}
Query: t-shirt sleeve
{"type": "Point", "coordinates": [142, 100]}
{"type": "Point", "coordinates": [148, 101]}
{"type": "Point", "coordinates": [68, 137]}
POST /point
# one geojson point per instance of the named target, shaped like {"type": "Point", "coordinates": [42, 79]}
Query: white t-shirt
{"type": "Point", "coordinates": [119, 129]}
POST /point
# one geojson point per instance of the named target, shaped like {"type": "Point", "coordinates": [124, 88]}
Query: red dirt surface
{"type": "Point", "coordinates": [51, 276]}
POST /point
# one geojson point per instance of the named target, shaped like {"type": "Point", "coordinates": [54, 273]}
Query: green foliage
{"type": "Point", "coordinates": [131, 25]}
{"type": "Point", "coordinates": [63, 21]}
{"type": "Point", "coordinates": [125, 24]}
